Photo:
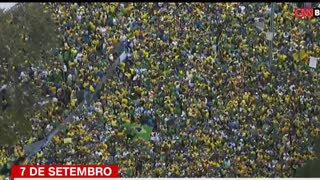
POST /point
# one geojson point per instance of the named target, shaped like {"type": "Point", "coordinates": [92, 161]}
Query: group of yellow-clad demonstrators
{"type": "Point", "coordinates": [196, 96]}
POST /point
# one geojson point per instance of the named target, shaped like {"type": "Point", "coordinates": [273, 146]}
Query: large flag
{"type": "Point", "coordinates": [139, 131]}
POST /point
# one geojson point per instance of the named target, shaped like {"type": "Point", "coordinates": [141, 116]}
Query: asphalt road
{"type": "Point", "coordinates": [32, 149]}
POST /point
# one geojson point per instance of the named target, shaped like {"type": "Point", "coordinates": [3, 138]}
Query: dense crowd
{"type": "Point", "coordinates": [199, 73]}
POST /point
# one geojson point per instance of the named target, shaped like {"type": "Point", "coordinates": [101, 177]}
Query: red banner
{"type": "Point", "coordinates": [65, 171]}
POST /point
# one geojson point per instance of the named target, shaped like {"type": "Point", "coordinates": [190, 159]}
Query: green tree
{"type": "Point", "coordinates": [311, 168]}
{"type": "Point", "coordinates": [27, 36]}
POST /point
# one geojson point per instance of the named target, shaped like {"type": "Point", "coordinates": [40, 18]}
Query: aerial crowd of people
{"type": "Point", "coordinates": [198, 73]}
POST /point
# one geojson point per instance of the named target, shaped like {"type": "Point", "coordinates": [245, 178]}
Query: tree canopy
{"type": "Point", "coordinates": [27, 34]}
{"type": "Point", "coordinates": [311, 168]}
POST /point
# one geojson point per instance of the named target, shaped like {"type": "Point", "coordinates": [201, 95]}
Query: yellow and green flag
{"type": "Point", "coordinates": [139, 131]}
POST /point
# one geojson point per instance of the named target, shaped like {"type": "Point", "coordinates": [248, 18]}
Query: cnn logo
{"type": "Point", "coordinates": [301, 13]}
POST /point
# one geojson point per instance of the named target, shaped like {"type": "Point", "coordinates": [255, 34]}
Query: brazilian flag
{"type": "Point", "coordinates": [138, 131]}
